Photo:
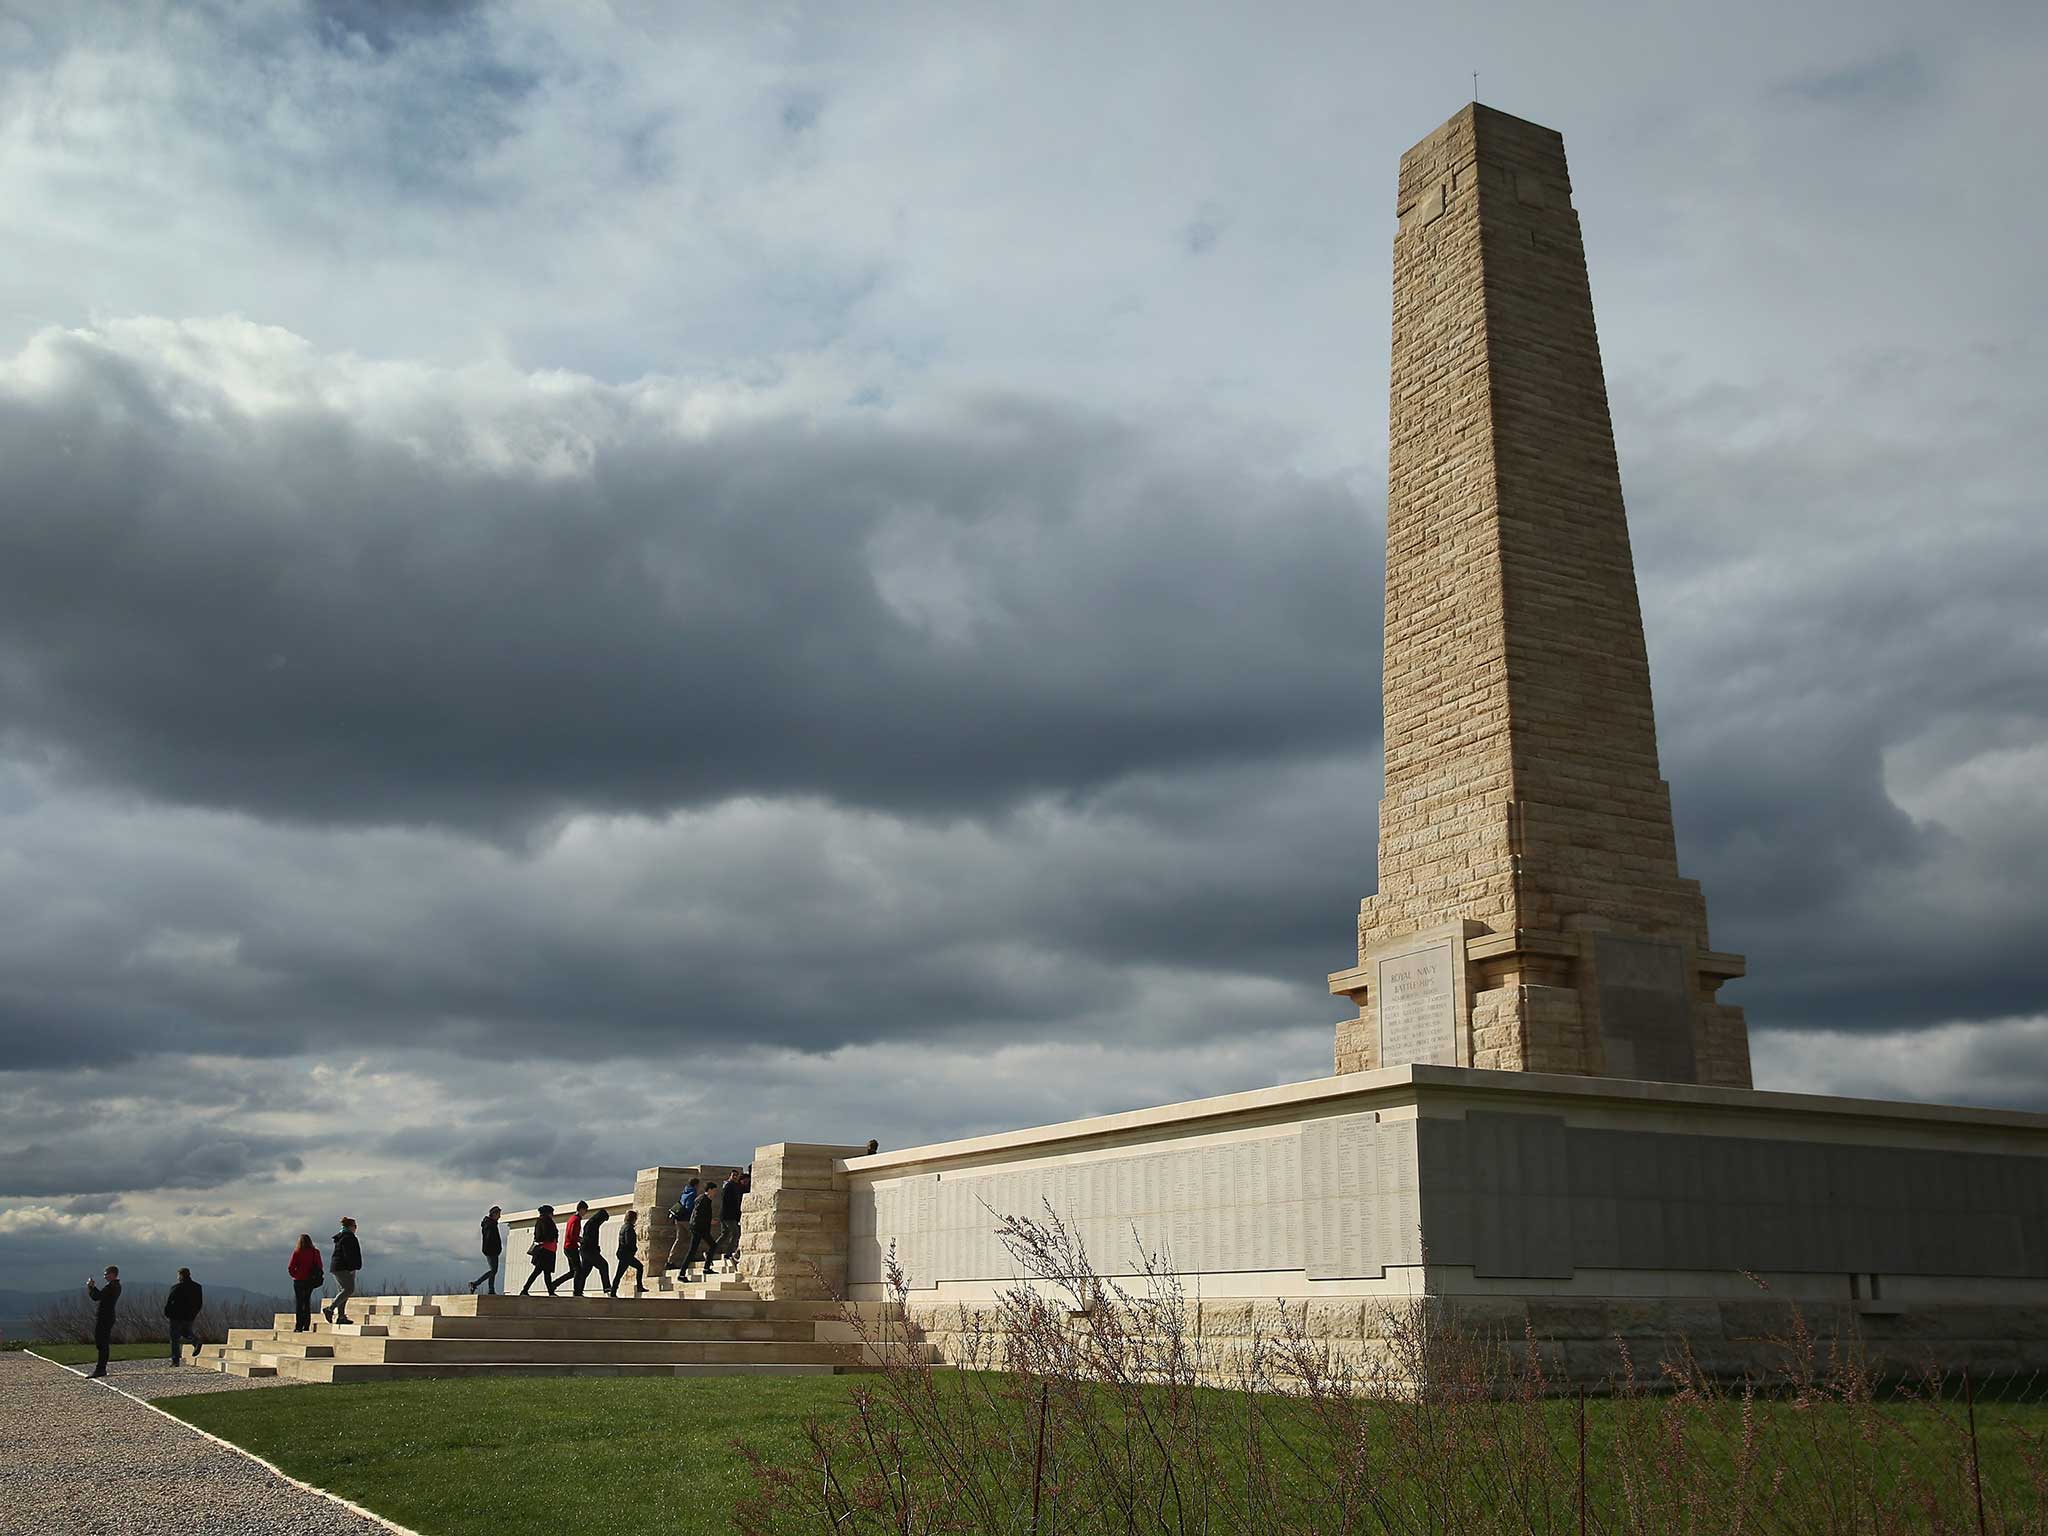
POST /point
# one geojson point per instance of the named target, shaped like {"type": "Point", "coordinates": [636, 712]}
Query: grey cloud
{"type": "Point", "coordinates": [1887, 80]}
{"type": "Point", "coordinates": [1841, 610]}
{"type": "Point", "coordinates": [115, 1158]}
{"type": "Point", "coordinates": [230, 936]}
{"type": "Point", "coordinates": [289, 614]}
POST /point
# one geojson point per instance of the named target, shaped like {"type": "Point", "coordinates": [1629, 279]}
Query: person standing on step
{"type": "Point", "coordinates": [307, 1278]}
{"type": "Point", "coordinates": [346, 1260]}
{"type": "Point", "coordinates": [572, 1251]}
{"type": "Point", "coordinates": [185, 1302]}
{"type": "Point", "coordinates": [590, 1251]}
{"type": "Point", "coordinates": [542, 1253]}
{"type": "Point", "coordinates": [729, 1195]}
{"type": "Point", "coordinates": [679, 1213]}
{"type": "Point", "coordinates": [493, 1246]}
{"type": "Point", "coordinates": [105, 1296]}
{"type": "Point", "coordinates": [628, 1256]}
{"type": "Point", "coordinates": [702, 1215]}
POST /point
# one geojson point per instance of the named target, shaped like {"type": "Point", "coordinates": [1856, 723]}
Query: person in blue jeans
{"type": "Point", "coordinates": [494, 1245]}
{"type": "Point", "coordinates": [184, 1302]}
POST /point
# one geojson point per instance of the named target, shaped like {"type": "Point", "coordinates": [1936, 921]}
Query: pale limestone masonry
{"type": "Point", "coordinates": [793, 1227]}
{"type": "Point", "coordinates": [1524, 813]}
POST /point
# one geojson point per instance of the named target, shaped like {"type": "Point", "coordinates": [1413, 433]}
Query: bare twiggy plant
{"type": "Point", "coordinates": [1077, 1403]}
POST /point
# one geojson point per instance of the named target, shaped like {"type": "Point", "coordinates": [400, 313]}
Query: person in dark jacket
{"type": "Point", "coordinates": [542, 1253]}
{"type": "Point", "coordinates": [307, 1278]}
{"type": "Point", "coordinates": [679, 1213]}
{"type": "Point", "coordinates": [629, 1256]}
{"type": "Point", "coordinates": [107, 1296]}
{"type": "Point", "coordinates": [729, 1195]}
{"type": "Point", "coordinates": [590, 1251]}
{"type": "Point", "coordinates": [702, 1215]}
{"type": "Point", "coordinates": [346, 1260]}
{"type": "Point", "coordinates": [185, 1302]}
{"type": "Point", "coordinates": [493, 1246]}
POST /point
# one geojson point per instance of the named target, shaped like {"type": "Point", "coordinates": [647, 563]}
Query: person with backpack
{"type": "Point", "coordinates": [105, 1296]}
{"type": "Point", "coordinates": [542, 1251]}
{"type": "Point", "coordinates": [590, 1252]}
{"type": "Point", "coordinates": [703, 1215]}
{"type": "Point", "coordinates": [628, 1257]}
{"type": "Point", "coordinates": [184, 1302]}
{"type": "Point", "coordinates": [307, 1278]}
{"type": "Point", "coordinates": [347, 1259]}
{"type": "Point", "coordinates": [493, 1246]}
{"type": "Point", "coordinates": [679, 1213]}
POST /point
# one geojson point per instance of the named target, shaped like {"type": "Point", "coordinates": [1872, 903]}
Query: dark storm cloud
{"type": "Point", "coordinates": [113, 1157]}
{"type": "Point", "coordinates": [1852, 668]}
{"type": "Point", "coordinates": [785, 925]}
{"type": "Point", "coordinates": [287, 614]}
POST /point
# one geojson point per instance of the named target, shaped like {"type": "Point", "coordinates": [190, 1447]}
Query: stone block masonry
{"type": "Point", "coordinates": [793, 1227]}
{"type": "Point", "coordinates": [1523, 798]}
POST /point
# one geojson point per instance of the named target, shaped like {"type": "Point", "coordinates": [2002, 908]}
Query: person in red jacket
{"type": "Point", "coordinates": [572, 1251]}
{"type": "Point", "coordinates": [307, 1278]}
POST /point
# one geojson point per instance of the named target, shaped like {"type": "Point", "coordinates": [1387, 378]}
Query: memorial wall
{"type": "Point", "coordinates": [1506, 1181]}
{"type": "Point", "coordinates": [1335, 1198]}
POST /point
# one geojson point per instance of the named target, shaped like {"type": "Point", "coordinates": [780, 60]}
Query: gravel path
{"type": "Point", "coordinates": [158, 1378]}
{"type": "Point", "coordinates": [81, 1459]}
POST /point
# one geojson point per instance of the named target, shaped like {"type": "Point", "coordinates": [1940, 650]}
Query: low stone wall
{"type": "Point", "coordinates": [1593, 1343]}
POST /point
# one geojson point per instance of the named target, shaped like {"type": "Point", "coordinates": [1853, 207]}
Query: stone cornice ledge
{"type": "Point", "coordinates": [1412, 1083]}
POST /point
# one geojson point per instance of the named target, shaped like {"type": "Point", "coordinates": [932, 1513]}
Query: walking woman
{"type": "Point", "coordinates": [629, 1257]}
{"type": "Point", "coordinates": [307, 1278]}
{"type": "Point", "coordinates": [545, 1237]}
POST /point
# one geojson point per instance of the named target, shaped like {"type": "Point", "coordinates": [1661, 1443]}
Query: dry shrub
{"type": "Point", "coordinates": [1085, 1406]}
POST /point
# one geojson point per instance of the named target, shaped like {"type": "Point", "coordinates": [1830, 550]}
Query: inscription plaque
{"type": "Point", "coordinates": [1418, 1008]}
{"type": "Point", "coordinates": [1645, 1009]}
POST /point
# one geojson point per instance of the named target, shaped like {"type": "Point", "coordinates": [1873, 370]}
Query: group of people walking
{"type": "Point", "coordinates": [707, 1222]}
{"type": "Point", "coordinates": [706, 1217]}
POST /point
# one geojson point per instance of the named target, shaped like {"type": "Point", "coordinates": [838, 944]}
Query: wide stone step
{"type": "Point", "coordinates": [598, 1351]}
{"type": "Point", "coordinates": [425, 1370]}
{"type": "Point", "coordinates": [747, 1306]}
{"type": "Point", "coordinates": [764, 1329]}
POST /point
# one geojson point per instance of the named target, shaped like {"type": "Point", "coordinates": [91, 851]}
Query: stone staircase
{"type": "Point", "coordinates": [714, 1328]}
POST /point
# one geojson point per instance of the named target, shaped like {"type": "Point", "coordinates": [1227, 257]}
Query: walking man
{"type": "Point", "coordinates": [184, 1303]}
{"type": "Point", "coordinates": [629, 1256]}
{"type": "Point", "coordinates": [108, 1295]}
{"type": "Point", "coordinates": [590, 1255]}
{"type": "Point", "coordinates": [702, 1214]}
{"type": "Point", "coordinates": [729, 1194]}
{"type": "Point", "coordinates": [679, 1213]}
{"type": "Point", "coordinates": [343, 1263]}
{"type": "Point", "coordinates": [493, 1246]}
{"type": "Point", "coordinates": [572, 1251]}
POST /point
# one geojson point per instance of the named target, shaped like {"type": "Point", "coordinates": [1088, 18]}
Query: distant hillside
{"type": "Point", "coordinates": [18, 1307]}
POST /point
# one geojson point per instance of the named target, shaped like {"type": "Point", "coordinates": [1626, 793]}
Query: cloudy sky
{"type": "Point", "coordinates": [587, 585]}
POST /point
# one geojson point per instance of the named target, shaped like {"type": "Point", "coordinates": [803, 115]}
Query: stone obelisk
{"type": "Point", "coordinates": [1530, 913]}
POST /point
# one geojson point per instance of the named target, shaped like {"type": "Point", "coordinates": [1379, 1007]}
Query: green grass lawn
{"type": "Point", "coordinates": [451, 1458]}
{"type": "Point", "coordinates": [85, 1354]}
{"type": "Point", "coordinates": [458, 1457]}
